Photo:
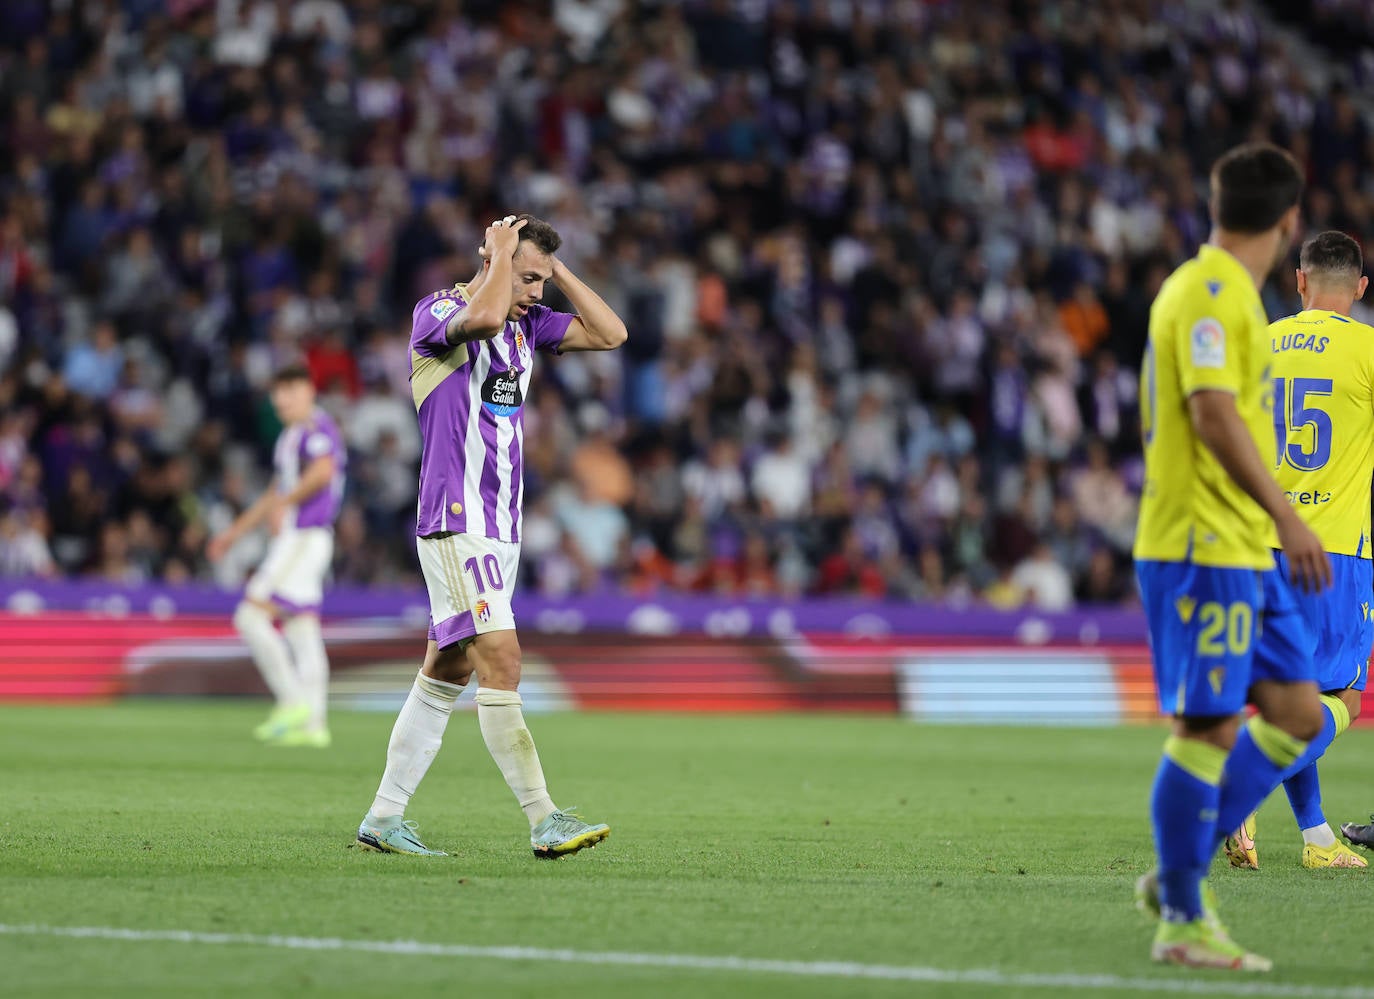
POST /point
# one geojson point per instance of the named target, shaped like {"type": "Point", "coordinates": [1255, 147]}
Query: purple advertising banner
{"type": "Point", "coordinates": [610, 611]}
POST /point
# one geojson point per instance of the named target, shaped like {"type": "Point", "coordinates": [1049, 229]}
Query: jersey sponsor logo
{"type": "Point", "coordinates": [1208, 341]}
{"type": "Point", "coordinates": [1311, 497]}
{"type": "Point", "coordinates": [443, 308]}
{"type": "Point", "coordinates": [1300, 341]}
{"type": "Point", "coordinates": [501, 395]}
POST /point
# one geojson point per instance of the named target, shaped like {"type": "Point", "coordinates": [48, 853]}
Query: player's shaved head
{"type": "Point", "coordinates": [1253, 187]}
{"type": "Point", "coordinates": [1332, 258]}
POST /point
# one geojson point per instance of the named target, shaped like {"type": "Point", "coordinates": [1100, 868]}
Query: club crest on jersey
{"type": "Point", "coordinates": [520, 342]}
{"type": "Point", "coordinates": [1208, 342]}
{"type": "Point", "coordinates": [501, 395]}
{"type": "Point", "coordinates": [482, 610]}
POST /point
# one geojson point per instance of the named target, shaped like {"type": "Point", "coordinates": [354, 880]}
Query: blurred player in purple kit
{"type": "Point", "coordinates": [299, 506]}
{"type": "Point", "coordinates": [472, 352]}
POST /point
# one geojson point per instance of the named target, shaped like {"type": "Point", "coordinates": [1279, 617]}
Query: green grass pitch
{"type": "Point", "coordinates": [866, 840]}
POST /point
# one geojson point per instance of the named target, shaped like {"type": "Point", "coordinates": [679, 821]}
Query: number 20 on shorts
{"type": "Point", "coordinates": [1225, 629]}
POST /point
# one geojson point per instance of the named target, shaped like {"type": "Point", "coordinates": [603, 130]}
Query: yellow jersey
{"type": "Point", "coordinates": [1324, 425]}
{"type": "Point", "coordinates": [1208, 330]}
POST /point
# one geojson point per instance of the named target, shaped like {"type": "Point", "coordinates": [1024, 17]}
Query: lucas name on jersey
{"type": "Point", "coordinates": [1300, 341]}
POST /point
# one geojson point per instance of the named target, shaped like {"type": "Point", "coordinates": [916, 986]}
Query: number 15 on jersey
{"type": "Point", "coordinates": [1302, 429]}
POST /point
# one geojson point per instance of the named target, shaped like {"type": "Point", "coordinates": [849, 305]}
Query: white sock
{"type": "Point", "coordinates": [269, 651]}
{"type": "Point", "coordinates": [303, 635]}
{"type": "Point", "coordinates": [512, 747]}
{"type": "Point", "coordinates": [1320, 836]}
{"type": "Point", "coordinates": [415, 740]}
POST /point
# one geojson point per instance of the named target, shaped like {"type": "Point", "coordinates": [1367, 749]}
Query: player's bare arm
{"type": "Point", "coordinates": [258, 511]}
{"type": "Point", "coordinates": [490, 305]}
{"type": "Point", "coordinates": [596, 326]}
{"type": "Point", "coordinates": [1220, 427]}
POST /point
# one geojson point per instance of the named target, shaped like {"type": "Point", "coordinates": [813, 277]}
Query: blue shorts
{"type": "Point", "coordinates": [1339, 618]}
{"type": "Point", "coordinates": [1215, 632]}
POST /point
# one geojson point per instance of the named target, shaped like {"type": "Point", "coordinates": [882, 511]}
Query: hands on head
{"type": "Point", "coordinates": [502, 238]}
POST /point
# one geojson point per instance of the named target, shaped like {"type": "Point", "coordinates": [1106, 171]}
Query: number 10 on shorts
{"type": "Point", "coordinates": [493, 573]}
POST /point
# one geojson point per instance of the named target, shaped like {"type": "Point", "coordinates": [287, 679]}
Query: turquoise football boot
{"type": "Point", "coordinates": [393, 835]}
{"type": "Point", "coordinates": [564, 832]}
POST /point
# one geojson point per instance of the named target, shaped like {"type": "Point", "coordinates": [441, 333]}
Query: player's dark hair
{"type": "Point", "coordinates": [544, 236]}
{"type": "Point", "coordinates": [291, 373]}
{"type": "Point", "coordinates": [1253, 186]}
{"type": "Point", "coordinates": [1332, 254]}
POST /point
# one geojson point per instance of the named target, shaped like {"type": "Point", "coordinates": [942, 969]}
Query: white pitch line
{"type": "Point", "coordinates": [694, 962]}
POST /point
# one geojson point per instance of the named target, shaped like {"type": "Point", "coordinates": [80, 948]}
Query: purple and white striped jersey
{"type": "Point", "coordinates": [470, 401]}
{"type": "Point", "coordinates": [297, 446]}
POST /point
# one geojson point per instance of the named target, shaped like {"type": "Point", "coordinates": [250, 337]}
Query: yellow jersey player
{"type": "Point", "coordinates": [1224, 624]}
{"type": "Point", "coordinates": [1324, 432]}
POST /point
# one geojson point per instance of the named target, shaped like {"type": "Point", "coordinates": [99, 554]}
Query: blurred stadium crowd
{"type": "Point", "coordinates": [887, 270]}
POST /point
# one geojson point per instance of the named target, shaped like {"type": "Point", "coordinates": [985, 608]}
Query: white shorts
{"type": "Point", "coordinates": [292, 575]}
{"type": "Point", "coordinates": [470, 579]}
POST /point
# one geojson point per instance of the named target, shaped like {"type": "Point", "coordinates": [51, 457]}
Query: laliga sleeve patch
{"type": "Point", "coordinates": [318, 444]}
{"type": "Point", "coordinates": [443, 308]}
{"type": "Point", "coordinates": [1208, 342]}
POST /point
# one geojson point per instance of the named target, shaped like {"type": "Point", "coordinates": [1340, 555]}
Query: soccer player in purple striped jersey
{"type": "Point", "coordinates": [472, 351]}
{"type": "Point", "coordinates": [300, 506]}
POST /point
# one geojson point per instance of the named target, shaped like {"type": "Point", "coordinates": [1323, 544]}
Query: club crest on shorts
{"type": "Point", "coordinates": [482, 610]}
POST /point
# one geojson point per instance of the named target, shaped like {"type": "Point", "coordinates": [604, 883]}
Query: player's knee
{"type": "Point", "coordinates": [1352, 700]}
{"type": "Point", "coordinates": [497, 657]}
{"type": "Point", "coordinates": [250, 615]}
{"type": "Point", "coordinates": [1302, 720]}
{"type": "Point", "coordinates": [450, 665]}
{"type": "Point", "coordinates": [1216, 730]}
{"type": "Point", "coordinates": [1295, 708]}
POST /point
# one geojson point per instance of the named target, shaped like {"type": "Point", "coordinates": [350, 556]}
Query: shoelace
{"type": "Point", "coordinates": [413, 829]}
{"type": "Point", "coordinates": [567, 819]}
